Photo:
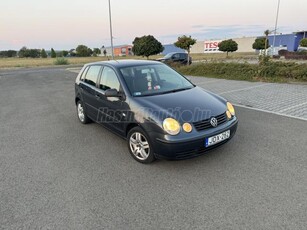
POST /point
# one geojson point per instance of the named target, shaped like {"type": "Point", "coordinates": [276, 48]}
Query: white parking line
{"type": "Point", "coordinates": [236, 90]}
{"type": "Point", "coordinates": [271, 112]}
{"type": "Point", "coordinates": [74, 70]}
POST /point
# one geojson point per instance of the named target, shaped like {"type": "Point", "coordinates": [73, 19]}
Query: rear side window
{"type": "Point", "coordinates": [109, 79]}
{"type": "Point", "coordinates": [92, 75]}
{"type": "Point", "coordinates": [183, 56]}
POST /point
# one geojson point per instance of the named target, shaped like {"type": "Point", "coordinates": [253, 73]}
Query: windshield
{"type": "Point", "coordinates": [147, 80]}
{"type": "Point", "coordinates": [168, 56]}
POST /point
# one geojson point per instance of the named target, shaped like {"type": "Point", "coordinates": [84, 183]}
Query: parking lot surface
{"type": "Point", "coordinates": [283, 99]}
{"type": "Point", "coordinates": [56, 173]}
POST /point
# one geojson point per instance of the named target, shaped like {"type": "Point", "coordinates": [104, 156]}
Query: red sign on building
{"type": "Point", "coordinates": [211, 46]}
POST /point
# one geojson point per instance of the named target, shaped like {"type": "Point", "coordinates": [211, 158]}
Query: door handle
{"type": "Point", "coordinates": [97, 96]}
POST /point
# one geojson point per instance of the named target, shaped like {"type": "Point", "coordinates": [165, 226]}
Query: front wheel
{"type": "Point", "coordinates": [139, 146]}
{"type": "Point", "coordinates": [83, 118]}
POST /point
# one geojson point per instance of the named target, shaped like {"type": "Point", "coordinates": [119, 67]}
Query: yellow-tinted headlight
{"type": "Point", "coordinates": [230, 108]}
{"type": "Point", "coordinates": [187, 127]}
{"type": "Point", "coordinates": [171, 126]}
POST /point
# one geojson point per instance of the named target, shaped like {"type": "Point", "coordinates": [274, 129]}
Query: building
{"type": "Point", "coordinates": [121, 50]}
{"type": "Point", "coordinates": [288, 41]}
{"type": "Point", "coordinates": [245, 45]}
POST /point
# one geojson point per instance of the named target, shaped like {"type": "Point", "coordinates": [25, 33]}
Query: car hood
{"type": "Point", "coordinates": [186, 106]}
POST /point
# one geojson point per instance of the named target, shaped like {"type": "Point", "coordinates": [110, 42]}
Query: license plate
{"type": "Point", "coordinates": [217, 138]}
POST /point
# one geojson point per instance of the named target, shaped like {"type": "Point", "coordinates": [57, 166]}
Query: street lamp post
{"type": "Point", "coordinates": [275, 27]}
{"type": "Point", "coordinates": [111, 34]}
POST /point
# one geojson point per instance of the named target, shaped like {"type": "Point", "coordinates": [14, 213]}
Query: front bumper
{"type": "Point", "coordinates": [189, 148]}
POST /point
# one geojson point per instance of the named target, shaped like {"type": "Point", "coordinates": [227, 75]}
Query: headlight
{"type": "Point", "coordinates": [230, 108]}
{"type": "Point", "coordinates": [171, 126]}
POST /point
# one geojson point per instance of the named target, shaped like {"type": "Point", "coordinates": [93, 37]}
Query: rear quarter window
{"type": "Point", "coordinates": [82, 77]}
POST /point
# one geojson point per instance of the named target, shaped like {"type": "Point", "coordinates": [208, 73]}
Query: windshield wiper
{"type": "Point", "coordinates": [176, 90]}
{"type": "Point", "coordinates": [165, 92]}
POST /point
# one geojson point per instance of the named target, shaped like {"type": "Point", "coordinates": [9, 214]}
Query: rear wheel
{"type": "Point", "coordinates": [83, 118]}
{"type": "Point", "coordinates": [139, 146]}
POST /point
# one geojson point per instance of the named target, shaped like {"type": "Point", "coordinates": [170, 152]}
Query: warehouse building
{"type": "Point", "coordinates": [287, 41]}
{"type": "Point", "coordinates": [245, 45]}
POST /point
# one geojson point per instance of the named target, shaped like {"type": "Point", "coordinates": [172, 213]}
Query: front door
{"type": "Point", "coordinates": [112, 110]}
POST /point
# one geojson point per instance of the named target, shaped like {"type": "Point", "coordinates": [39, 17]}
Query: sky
{"type": "Point", "coordinates": [65, 24]}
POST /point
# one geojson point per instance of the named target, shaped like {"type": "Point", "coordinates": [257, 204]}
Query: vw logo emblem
{"type": "Point", "coordinates": [213, 121]}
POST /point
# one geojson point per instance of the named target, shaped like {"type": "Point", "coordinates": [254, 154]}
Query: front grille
{"type": "Point", "coordinates": [199, 151]}
{"type": "Point", "coordinates": [205, 124]}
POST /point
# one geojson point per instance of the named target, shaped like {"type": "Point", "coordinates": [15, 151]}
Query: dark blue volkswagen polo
{"type": "Point", "coordinates": [158, 111]}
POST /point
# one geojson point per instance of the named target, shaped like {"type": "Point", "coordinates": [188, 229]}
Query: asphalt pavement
{"type": "Point", "coordinates": [56, 173]}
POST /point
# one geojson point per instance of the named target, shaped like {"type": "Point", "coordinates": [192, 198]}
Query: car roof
{"type": "Point", "coordinates": [126, 63]}
{"type": "Point", "coordinates": [176, 53]}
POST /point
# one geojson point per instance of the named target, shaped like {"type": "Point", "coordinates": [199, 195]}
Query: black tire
{"type": "Point", "coordinates": [80, 110]}
{"type": "Point", "coordinates": [140, 146]}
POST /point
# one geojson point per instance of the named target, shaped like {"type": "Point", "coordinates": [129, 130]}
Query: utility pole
{"type": "Point", "coordinates": [111, 34]}
{"type": "Point", "coordinates": [275, 27]}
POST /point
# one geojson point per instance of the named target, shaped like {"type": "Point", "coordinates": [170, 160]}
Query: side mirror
{"type": "Point", "coordinates": [111, 93]}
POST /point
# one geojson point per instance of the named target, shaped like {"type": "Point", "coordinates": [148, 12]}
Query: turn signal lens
{"type": "Point", "coordinates": [171, 126]}
{"type": "Point", "coordinates": [187, 127]}
{"type": "Point", "coordinates": [230, 108]}
{"type": "Point", "coordinates": [228, 114]}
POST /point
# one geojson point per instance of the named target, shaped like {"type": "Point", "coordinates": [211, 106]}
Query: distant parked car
{"type": "Point", "coordinates": [158, 111]}
{"type": "Point", "coordinates": [176, 57]}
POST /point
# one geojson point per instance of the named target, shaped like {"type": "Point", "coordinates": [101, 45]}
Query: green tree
{"type": "Point", "coordinates": [146, 46]}
{"type": "Point", "coordinates": [82, 51]}
{"type": "Point", "coordinates": [97, 51]}
{"type": "Point", "coordinates": [33, 53]}
{"type": "Point", "coordinates": [43, 53]}
{"type": "Point", "coordinates": [303, 42]}
{"type": "Point", "coordinates": [261, 43]}
{"type": "Point", "coordinates": [53, 53]}
{"type": "Point", "coordinates": [228, 46]}
{"type": "Point", "coordinates": [8, 53]}
{"type": "Point", "coordinates": [64, 53]}
{"type": "Point", "coordinates": [89, 52]}
{"type": "Point", "coordinates": [185, 42]}
{"type": "Point", "coordinates": [22, 52]}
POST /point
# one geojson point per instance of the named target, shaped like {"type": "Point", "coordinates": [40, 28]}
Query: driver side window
{"type": "Point", "coordinates": [109, 79]}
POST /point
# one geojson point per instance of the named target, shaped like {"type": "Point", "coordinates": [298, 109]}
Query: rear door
{"type": "Point", "coordinates": [88, 87]}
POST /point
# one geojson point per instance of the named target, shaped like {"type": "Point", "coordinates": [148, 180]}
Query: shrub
{"type": "Point", "coordinates": [296, 55]}
{"type": "Point", "coordinates": [61, 61]}
{"type": "Point", "coordinates": [269, 71]}
{"type": "Point", "coordinates": [303, 42]}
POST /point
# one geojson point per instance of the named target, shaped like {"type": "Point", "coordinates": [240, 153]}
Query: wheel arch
{"type": "Point", "coordinates": [131, 126]}
{"type": "Point", "coordinates": [77, 99]}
